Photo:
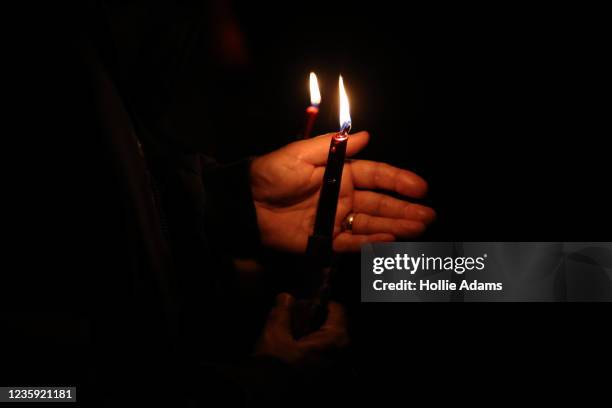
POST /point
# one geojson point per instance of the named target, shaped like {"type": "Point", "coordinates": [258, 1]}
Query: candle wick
{"type": "Point", "coordinates": [346, 128]}
{"type": "Point", "coordinates": [344, 132]}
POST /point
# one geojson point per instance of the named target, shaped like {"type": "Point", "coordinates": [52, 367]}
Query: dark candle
{"type": "Point", "coordinates": [310, 311]}
{"type": "Point", "coordinates": [320, 242]}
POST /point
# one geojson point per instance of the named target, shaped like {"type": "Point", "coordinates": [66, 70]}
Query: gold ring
{"type": "Point", "coordinates": [347, 224]}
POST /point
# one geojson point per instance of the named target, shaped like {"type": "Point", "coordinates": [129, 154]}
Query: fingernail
{"type": "Point", "coordinates": [426, 214]}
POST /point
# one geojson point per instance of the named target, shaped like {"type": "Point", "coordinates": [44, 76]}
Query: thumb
{"type": "Point", "coordinates": [280, 315]}
{"type": "Point", "coordinates": [316, 150]}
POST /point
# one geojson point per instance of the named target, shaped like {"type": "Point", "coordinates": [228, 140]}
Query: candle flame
{"type": "Point", "coordinates": [345, 115]}
{"type": "Point", "coordinates": [315, 95]}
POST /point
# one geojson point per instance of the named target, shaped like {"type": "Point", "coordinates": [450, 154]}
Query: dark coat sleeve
{"type": "Point", "coordinates": [230, 199]}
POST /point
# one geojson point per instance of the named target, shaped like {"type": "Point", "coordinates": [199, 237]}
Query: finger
{"type": "Point", "coordinates": [374, 175]}
{"type": "Point", "coordinates": [347, 242]}
{"type": "Point", "coordinates": [369, 224]}
{"type": "Point", "coordinates": [280, 315]}
{"type": "Point", "coordinates": [316, 150]}
{"type": "Point", "coordinates": [382, 205]}
{"type": "Point", "coordinates": [323, 340]}
{"type": "Point", "coordinates": [357, 142]}
{"type": "Point", "coordinates": [336, 316]}
{"type": "Point", "coordinates": [332, 334]}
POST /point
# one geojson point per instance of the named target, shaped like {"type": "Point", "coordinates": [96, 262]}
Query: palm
{"type": "Point", "coordinates": [286, 186]}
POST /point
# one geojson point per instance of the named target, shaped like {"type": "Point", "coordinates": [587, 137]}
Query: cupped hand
{"type": "Point", "coordinates": [277, 340]}
{"type": "Point", "coordinates": [286, 185]}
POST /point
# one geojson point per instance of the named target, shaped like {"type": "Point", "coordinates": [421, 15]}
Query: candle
{"type": "Point", "coordinates": [313, 110]}
{"type": "Point", "coordinates": [320, 242]}
{"type": "Point", "coordinates": [310, 311]}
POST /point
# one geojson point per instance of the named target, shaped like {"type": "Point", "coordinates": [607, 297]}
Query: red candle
{"type": "Point", "coordinates": [313, 110]}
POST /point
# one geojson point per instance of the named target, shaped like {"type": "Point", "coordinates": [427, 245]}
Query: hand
{"type": "Point", "coordinates": [286, 185]}
{"type": "Point", "coordinates": [277, 340]}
